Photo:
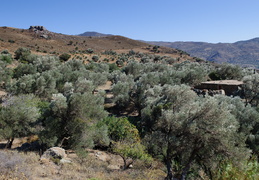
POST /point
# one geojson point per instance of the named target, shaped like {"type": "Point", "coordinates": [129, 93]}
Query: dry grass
{"type": "Point", "coordinates": [12, 39]}
{"type": "Point", "coordinates": [14, 165]}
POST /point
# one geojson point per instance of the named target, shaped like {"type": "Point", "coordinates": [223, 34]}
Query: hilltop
{"type": "Point", "coordinates": [244, 53]}
{"type": "Point", "coordinates": [42, 41]}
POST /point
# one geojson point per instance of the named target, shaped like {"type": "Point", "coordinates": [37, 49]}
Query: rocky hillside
{"type": "Point", "coordinates": [244, 53]}
{"type": "Point", "coordinates": [39, 39]}
{"type": "Point", "coordinates": [42, 41]}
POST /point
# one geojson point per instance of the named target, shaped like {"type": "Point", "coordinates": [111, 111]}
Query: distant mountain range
{"type": "Point", "coordinates": [244, 53]}
{"type": "Point", "coordinates": [94, 34]}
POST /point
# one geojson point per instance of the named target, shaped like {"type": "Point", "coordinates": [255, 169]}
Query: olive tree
{"type": "Point", "coordinates": [18, 117]}
{"type": "Point", "coordinates": [227, 71]}
{"type": "Point", "coordinates": [190, 130]}
{"type": "Point", "coordinates": [251, 89]}
{"type": "Point", "coordinates": [71, 121]}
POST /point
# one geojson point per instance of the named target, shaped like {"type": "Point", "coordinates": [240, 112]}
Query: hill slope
{"type": "Point", "coordinates": [245, 53]}
{"type": "Point", "coordinates": [42, 41]}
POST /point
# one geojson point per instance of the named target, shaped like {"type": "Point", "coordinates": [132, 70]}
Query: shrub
{"type": "Point", "coordinates": [89, 50]}
{"type": "Point", "coordinates": [22, 54]}
{"type": "Point", "coordinates": [70, 43]}
{"type": "Point", "coordinates": [120, 129]}
{"type": "Point", "coordinates": [64, 57]}
{"type": "Point", "coordinates": [113, 67]}
{"type": "Point", "coordinates": [6, 58]}
{"type": "Point", "coordinates": [11, 41]}
{"type": "Point", "coordinates": [95, 58]}
{"type": "Point", "coordinates": [5, 52]}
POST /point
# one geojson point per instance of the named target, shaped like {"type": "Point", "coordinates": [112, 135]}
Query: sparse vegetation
{"type": "Point", "coordinates": [138, 106]}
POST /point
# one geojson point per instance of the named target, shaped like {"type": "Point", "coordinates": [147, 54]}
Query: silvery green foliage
{"type": "Point", "coordinates": [186, 128]}
{"type": "Point", "coordinates": [246, 115]}
{"type": "Point", "coordinates": [121, 93]}
{"type": "Point", "coordinates": [59, 104]}
{"type": "Point", "coordinates": [251, 89]}
{"type": "Point", "coordinates": [192, 73]}
{"type": "Point", "coordinates": [227, 71]}
{"type": "Point", "coordinates": [130, 87]}
{"type": "Point", "coordinates": [46, 85]}
{"type": "Point", "coordinates": [5, 73]}
{"type": "Point", "coordinates": [97, 67]}
{"type": "Point", "coordinates": [6, 57]}
{"type": "Point", "coordinates": [24, 69]}
{"type": "Point", "coordinates": [52, 77]}
{"type": "Point", "coordinates": [24, 85]}
{"type": "Point", "coordinates": [74, 117]}
{"type": "Point", "coordinates": [46, 63]}
{"type": "Point", "coordinates": [22, 54]}
{"type": "Point", "coordinates": [18, 116]}
{"type": "Point", "coordinates": [122, 85]}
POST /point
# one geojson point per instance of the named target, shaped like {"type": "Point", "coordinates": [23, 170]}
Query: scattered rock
{"type": "Point", "coordinates": [65, 160]}
{"type": "Point", "coordinates": [44, 36]}
{"type": "Point", "coordinates": [115, 162]}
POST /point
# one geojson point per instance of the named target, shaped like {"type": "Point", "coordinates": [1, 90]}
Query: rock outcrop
{"type": "Point", "coordinates": [56, 154]}
{"type": "Point", "coordinates": [41, 31]}
{"type": "Point", "coordinates": [37, 28]}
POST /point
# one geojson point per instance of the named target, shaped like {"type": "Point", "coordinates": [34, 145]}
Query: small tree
{"type": "Point", "coordinates": [18, 117]}
{"type": "Point", "coordinates": [126, 140]}
{"type": "Point", "coordinates": [71, 121]}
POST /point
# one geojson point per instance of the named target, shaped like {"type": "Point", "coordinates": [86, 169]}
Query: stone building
{"type": "Point", "coordinates": [229, 86]}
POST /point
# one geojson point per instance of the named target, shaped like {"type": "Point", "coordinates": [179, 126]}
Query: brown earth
{"type": "Point", "coordinates": [55, 43]}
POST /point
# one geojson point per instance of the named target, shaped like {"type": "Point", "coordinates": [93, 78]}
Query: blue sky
{"type": "Point", "coordinates": [165, 20]}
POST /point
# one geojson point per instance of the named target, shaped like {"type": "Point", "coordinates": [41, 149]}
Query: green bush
{"type": "Point", "coordinates": [6, 58]}
{"type": "Point", "coordinates": [95, 58]}
{"type": "Point", "coordinates": [120, 129]}
{"type": "Point", "coordinates": [64, 57]}
{"type": "Point", "coordinates": [22, 54]}
{"type": "Point", "coordinates": [113, 67]}
{"type": "Point", "coordinates": [89, 51]}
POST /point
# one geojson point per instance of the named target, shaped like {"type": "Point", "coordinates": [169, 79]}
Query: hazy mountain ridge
{"type": "Point", "coordinates": [95, 34]}
{"type": "Point", "coordinates": [244, 53]}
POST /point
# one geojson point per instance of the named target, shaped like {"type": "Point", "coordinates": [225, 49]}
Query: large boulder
{"type": "Point", "coordinates": [54, 154]}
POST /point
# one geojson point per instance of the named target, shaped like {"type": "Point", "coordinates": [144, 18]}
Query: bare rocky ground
{"type": "Point", "coordinates": [97, 165]}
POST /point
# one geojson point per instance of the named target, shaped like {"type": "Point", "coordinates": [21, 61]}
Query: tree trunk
{"type": "Point", "coordinates": [9, 143]}
{"type": "Point", "coordinates": [169, 170]}
{"type": "Point", "coordinates": [127, 162]}
{"type": "Point", "coordinates": [185, 171]}
{"type": "Point", "coordinates": [191, 159]}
